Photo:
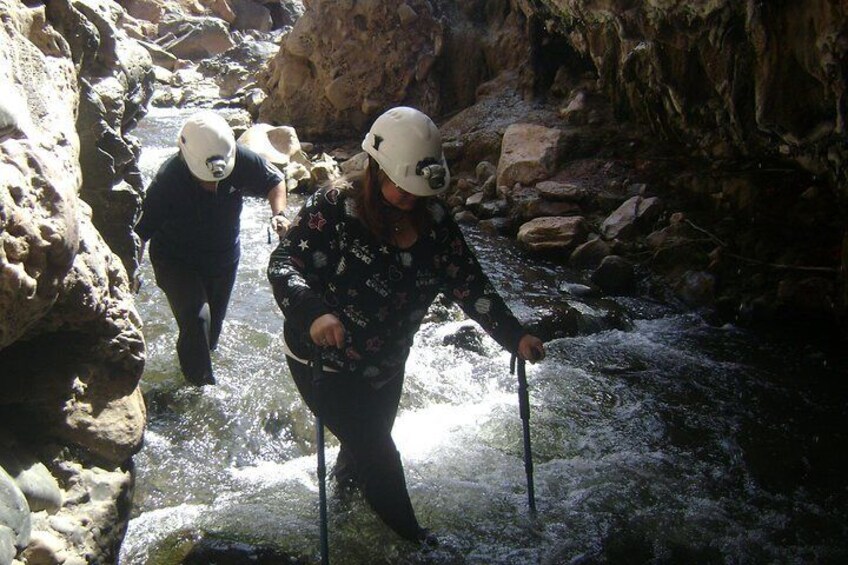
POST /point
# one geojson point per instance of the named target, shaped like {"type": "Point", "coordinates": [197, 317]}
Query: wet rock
{"type": "Point", "coordinates": [536, 208]}
{"type": "Point", "coordinates": [589, 255]}
{"type": "Point", "coordinates": [475, 200]}
{"type": "Point", "coordinates": [443, 310]}
{"type": "Point", "coordinates": [635, 213]}
{"type": "Point", "coordinates": [561, 234]}
{"type": "Point", "coordinates": [615, 275]}
{"type": "Point", "coordinates": [465, 217]}
{"type": "Point", "coordinates": [499, 226]}
{"type": "Point", "coordinates": [491, 209]}
{"type": "Point", "coordinates": [15, 525]}
{"type": "Point", "coordinates": [555, 321]}
{"type": "Point", "coordinates": [697, 288]}
{"type": "Point", "coordinates": [628, 366]}
{"type": "Point", "coordinates": [808, 299]}
{"type": "Point", "coordinates": [34, 480]}
{"type": "Point", "coordinates": [561, 191]}
{"type": "Point", "coordinates": [466, 337]}
{"type": "Point", "coordinates": [194, 38]}
{"type": "Point", "coordinates": [485, 171]}
{"type": "Point", "coordinates": [226, 552]}
{"type": "Point", "coordinates": [47, 548]}
{"type": "Point", "coordinates": [578, 290]}
{"type": "Point", "coordinates": [529, 153]}
{"type": "Point", "coordinates": [7, 545]}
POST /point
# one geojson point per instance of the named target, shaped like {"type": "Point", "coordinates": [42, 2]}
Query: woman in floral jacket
{"type": "Point", "coordinates": [356, 274]}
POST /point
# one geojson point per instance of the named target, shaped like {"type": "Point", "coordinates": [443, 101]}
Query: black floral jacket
{"type": "Point", "coordinates": [330, 263]}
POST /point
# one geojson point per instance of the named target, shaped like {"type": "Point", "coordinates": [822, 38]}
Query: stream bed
{"type": "Point", "coordinates": [663, 440]}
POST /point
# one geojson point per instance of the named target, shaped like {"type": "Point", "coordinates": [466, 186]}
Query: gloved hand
{"type": "Point", "coordinates": [280, 224]}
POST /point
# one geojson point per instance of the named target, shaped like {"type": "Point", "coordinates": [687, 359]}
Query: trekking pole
{"type": "Point", "coordinates": [524, 410]}
{"type": "Point", "coordinates": [317, 383]}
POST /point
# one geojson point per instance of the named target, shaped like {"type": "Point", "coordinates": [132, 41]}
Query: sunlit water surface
{"type": "Point", "coordinates": [673, 442]}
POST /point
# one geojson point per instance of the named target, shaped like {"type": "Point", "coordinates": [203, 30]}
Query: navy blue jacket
{"type": "Point", "coordinates": [193, 227]}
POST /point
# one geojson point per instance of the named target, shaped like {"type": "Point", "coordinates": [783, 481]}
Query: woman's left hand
{"type": "Point", "coordinates": [531, 348]}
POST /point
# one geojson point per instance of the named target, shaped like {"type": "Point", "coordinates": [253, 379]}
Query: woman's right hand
{"type": "Point", "coordinates": [327, 331]}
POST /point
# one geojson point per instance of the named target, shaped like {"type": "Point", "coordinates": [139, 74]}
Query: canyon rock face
{"type": "Point", "coordinates": [344, 62]}
{"type": "Point", "coordinates": [71, 347]}
{"type": "Point", "coordinates": [733, 112]}
{"type": "Point", "coordinates": [751, 80]}
{"type": "Point", "coordinates": [755, 92]}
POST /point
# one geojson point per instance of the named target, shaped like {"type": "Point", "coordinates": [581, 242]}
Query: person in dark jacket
{"type": "Point", "coordinates": [355, 275]}
{"type": "Point", "coordinates": [191, 216]}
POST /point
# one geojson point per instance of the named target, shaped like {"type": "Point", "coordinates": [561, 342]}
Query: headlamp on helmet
{"type": "Point", "coordinates": [433, 171]}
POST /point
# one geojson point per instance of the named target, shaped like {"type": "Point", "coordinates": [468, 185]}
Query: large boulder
{"type": "Point", "coordinates": [528, 154]}
{"type": "Point", "coordinates": [559, 235]}
{"type": "Point", "coordinates": [15, 522]}
{"type": "Point", "coordinates": [378, 54]}
{"type": "Point", "coordinates": [196, 37]}
{"type": "Point", "coordinates": [384, 53]}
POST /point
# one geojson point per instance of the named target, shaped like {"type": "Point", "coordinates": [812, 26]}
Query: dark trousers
{"type": "Point", "coordinates": [362, 417]}
{"type": "Point", "coordinates": [199, 304]}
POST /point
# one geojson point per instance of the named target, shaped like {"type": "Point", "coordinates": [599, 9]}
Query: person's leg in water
{"type": "Point", "coordinates": [187, 297]}
{"type": "Point", "coordinates": [344, 471]}
{"type": "Point", "coordinates": [218, 291]}
{"type": "Point", "coordinates": [361, 417]}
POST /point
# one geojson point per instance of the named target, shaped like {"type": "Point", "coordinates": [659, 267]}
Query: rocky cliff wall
{"type": "Point", "coordinates": [344, 62]}
{"type": "Point", "coordinates": [754, 93]}
{"type": "Point", "coordinates": [71, 347]}
{"type": "Point", "coordinates": [749, 80]}
{"type": "Point", "coordinates": [732, 112]}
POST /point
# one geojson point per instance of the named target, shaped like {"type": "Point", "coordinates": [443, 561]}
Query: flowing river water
{"type": "Point", "coordinates": [667, 441]}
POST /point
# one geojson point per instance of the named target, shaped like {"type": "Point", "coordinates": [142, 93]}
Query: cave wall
{"type": "Point", "coordinates": [748, 80]}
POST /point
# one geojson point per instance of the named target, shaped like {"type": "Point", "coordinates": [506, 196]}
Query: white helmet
{"type": "Point", "coordinates": [208, 146]}
{"type": "Point", "coordinates": [408, 147]}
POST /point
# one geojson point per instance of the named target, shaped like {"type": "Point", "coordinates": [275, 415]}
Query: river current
{"type": "Point", "coordinates": [670, 441]}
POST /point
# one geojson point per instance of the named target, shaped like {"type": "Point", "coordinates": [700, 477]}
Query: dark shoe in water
{"type": "Point", "coordinates": [206, 379]}
{"type": "Point", "coordinates": [427, 539]}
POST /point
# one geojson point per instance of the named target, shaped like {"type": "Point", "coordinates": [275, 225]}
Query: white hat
{"type": "Point", "coordinates": [277, 144]}
{"type": "Point", "coordinates": [208, 146]}
{"type": "Point", "coordinates": [408, 147]}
